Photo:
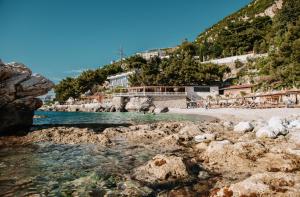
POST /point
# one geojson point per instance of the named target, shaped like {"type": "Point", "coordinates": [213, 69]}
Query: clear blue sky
{"type": "Point", "coordinates": [58, 38]}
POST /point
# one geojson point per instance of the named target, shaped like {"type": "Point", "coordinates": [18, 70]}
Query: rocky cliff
{"type": "Point", "coordinates": [18, 91]}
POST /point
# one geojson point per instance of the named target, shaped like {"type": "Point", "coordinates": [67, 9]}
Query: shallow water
{"type": "Point", "coordinates": [110, 118]}
{"type": "Point", "coordinates": [55, 170]}
{"type": "Point", "coordinates": [58, 170]}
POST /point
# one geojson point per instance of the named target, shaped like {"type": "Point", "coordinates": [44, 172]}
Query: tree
{"type": "Point", "coordinates": [66, 89]}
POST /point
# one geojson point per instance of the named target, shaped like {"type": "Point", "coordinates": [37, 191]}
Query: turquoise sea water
{"type": "Point", "coordinates": [109, 118]}
{"type": "Point", "coordinates": [49, 169]}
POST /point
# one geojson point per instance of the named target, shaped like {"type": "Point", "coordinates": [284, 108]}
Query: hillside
{"type": "Point", "coordinates": [264, 26]}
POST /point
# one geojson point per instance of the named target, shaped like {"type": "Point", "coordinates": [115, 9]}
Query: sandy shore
{"type": "Point", "coordinates": [240, 114]}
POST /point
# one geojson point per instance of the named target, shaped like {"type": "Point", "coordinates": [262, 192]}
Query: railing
{"type": "Point", "coordinates": [131, 94]}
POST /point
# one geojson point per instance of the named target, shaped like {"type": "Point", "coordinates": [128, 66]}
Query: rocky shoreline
{"type": "Point", "coordinates": [208, 158]}
{"type": "Point", "coordinates": [116, 104]}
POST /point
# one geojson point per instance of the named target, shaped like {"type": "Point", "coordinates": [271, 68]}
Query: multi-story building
{"type": "Point", "coordinates": [119, 80]}
{"type": "Point", "coordinates": [147, 55]}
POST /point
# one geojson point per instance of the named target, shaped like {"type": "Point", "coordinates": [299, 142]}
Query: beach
{"type": "Point", "coordinates": [240, 114]}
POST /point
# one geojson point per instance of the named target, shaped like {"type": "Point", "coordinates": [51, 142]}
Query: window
{"type": "Point", "coordinates": [202, 89]}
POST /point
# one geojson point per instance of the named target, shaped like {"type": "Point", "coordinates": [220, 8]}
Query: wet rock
{"type": "Point", "coordinates": [243, 127]}
{"type": "Point", "coordinates": [180, 191]}
{"type": "Point", "coordinates": [161, 169]}
{"type": "Point", "coordinates": [133, 188]}
{"type": "Point", "coordinates": [112, 109]}
{"type": "Point", "coordinates": [203, 175]}
{"type": "Point", "coordinates": [151, 109]}
{"type": "Point", "coordinates": [161, 110]}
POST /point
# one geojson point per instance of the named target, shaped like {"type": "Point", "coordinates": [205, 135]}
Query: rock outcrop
{"type": "Point", "coordinates": [161, 169]}
{"type": "Point", "coordinates": [139, 104]}
{"type": "Point", "coordinates": [18, 91]}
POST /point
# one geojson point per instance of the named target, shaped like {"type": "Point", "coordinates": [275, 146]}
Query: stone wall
{"type": "Point", "coordinates": [169, 101]}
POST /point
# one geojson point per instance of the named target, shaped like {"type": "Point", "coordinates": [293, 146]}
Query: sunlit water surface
{"type": "Point", "coordinates": [57, 170]}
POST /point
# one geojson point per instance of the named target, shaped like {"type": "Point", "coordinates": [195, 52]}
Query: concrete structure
{"type": "Point", "coordinates": [197, 91]}
{"type": "Point", "coordinates": [238, 90]}
{"type": "Point", "coordinates": [119, 80]}
{"type": "Point", "coordinates": [201, 92]}
{"type": "Point", "coordinates": [170, 96]}
{"type": "Point", "coordinates": [169, 101]}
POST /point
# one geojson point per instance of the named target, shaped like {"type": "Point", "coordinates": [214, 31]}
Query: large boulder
{"type": "Point", "coordinates": [278, 125]}
{"type": "Point", "coordinates": [161, 110]}
{"type": "Point", "coordinates": [275, 127]}
{"type": "Point", "coordinates": [18, 89]}
{"type": "Point", "coordinates": [139, 104]}
{"type": "Point", "coordinates": [243, 127]}
{"type": "Point", "coordinates": [161, 169]}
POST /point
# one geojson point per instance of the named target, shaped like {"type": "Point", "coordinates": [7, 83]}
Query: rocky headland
{"type": "Point", "coordinates": [208, 158]}
{"type": "Point", "coordinates": [18, 91]}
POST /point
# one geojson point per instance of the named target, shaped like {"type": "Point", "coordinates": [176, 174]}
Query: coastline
{"type": "Point", "coordinates": [235, 114]}
{"type": "Point", "coordinates": [164, 158]}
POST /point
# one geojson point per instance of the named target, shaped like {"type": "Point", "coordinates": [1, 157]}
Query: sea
{"type": "Point", "coordinates": [49, 117]}
{"type": "Point", "coordinates": [48, 169]}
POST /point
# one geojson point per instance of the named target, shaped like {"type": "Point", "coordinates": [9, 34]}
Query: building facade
{"type": "Point", "coordinates": [153, 53]}
{"type": "Point", "coordinates": [120, 80]}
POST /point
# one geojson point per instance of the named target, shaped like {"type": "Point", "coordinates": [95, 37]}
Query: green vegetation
{"type": "Point", "coordinates": [181, 69]}
{"type": "Point", "coordinates": [282, 68]}
{"type": "Point", "coordinates": [87, 80]}
{"type": "Point", "coordinates": [240, 33]}
{"type": "Point", "coordinates": [245, 31]}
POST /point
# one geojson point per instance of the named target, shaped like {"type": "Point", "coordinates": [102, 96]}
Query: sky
{"type": "Point", "coordinates": [59, 38]}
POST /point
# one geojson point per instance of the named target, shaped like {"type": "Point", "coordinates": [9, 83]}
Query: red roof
{"type": "Point", "coordinates": [238, 87]}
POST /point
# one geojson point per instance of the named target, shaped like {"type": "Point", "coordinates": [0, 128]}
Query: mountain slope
{"type": "Point", "coordinates": [271, 26]}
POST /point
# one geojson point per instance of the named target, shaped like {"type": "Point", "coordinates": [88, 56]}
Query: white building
{"type": "Point", "coordinates": [119, 80]}
{"type": "Point", "coordinates": [153, 53]}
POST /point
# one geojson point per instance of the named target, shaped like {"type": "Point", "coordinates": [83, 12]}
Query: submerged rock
{"type": "Point", "coordinates": [68, 135]}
